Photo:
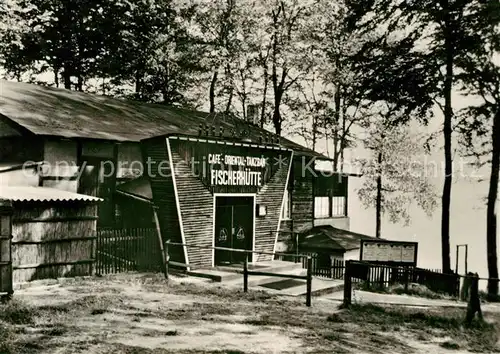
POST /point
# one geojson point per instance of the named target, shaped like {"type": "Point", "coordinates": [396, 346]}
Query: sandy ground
{"type": "Point", "coordinates": [144, 314]}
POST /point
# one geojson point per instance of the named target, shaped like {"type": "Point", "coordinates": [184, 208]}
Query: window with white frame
{"type": "Point", "coordinates": [338, 206]}
{"type": "Point", "coordinates": [330, 194]}
{"type": "Point", "coordinates": [321, 207]}
{"type": "Point", "coordinates": [287, 206]}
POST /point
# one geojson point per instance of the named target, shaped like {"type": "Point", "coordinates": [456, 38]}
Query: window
{"type": "Point", "coordinates": [321, 207]}
{"type": "Point", "coordinates": [338, 206]}
{"type": "Point", "coordinates": [330, 196]}
{"type": "Point", "coordinates": [326, 207]}
{"type": "Point", "coordinates": [287, 206]}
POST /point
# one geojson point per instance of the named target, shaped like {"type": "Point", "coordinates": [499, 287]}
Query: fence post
{"type": "Point", "coordinates": [347, 284]}
{"type": "Point", "coordinates": [406, 280]}
{"type": "Point", "coordinates": [245, 274]}
{"type": "Point", "coordinates": [309, 281]}
{"type": "Point", "coordinates": [166, 258]}
{"type": "Point", "coordinates": [6, 283]}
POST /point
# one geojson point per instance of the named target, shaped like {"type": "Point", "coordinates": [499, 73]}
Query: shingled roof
{"type": "Point", "coordinates": [48, 111]}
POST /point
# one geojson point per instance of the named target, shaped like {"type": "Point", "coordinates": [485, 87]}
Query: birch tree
{"type": "Point", "coordinates": [396, 176]}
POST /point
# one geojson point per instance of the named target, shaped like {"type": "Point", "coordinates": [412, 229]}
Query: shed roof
{"type": "Point", "coordinates": [138, 187]}
{"type": "Point", "coordinates": [331, 238]}
{"type": "Point", "coordinates": [42, 194]}
{"type": "Point", "coordinates": [44, 110]}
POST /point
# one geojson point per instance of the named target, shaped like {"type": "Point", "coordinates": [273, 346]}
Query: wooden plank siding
{"type": "Point", "coordinates": [196, 203]}
{"type": "Point", "coordinates": [155, 151]}
{"type": "Point", "coordinates": [270, 195]}
{"type": "Point", "coordinates": [302, 212]}
{"type": "Point", "coordinates": [196, 200]}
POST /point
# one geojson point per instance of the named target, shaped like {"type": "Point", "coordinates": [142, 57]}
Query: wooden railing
{"type": "Point", "coordinates": [246, 272]}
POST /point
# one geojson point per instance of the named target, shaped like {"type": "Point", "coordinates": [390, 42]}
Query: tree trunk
{"type": "Point", "coordinates": [67, 77]}
{"type": "Point", "coordinates": [212, 92]}
{"type": "Point", "coordinates": [378, 202]}
{"type": "Point", "coordinates": [56, 77]}
{"type": "Point", "coordinates": [138, 84]}
{"type": "Point", "coordinates": [314, 132]}
{"type": "Point", "coordinates": [229, 101]}
{"type": "Point", "coordinates": [264, 99]}
{"type": "Point", "coordinates": [80, 83]}
{"type": "Point", "coordinates": [342, 141]}
{"type": "Point", "coordinates": [491, 217]}
{"type": "Point", "coordinates": [277, 114]}
{"type": "Point", "coordinates": [447, 131]}
{"type": "Point", "coordinates": [335, 151]}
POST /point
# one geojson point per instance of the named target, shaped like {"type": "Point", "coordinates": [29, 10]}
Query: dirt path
{"type": "Point", "coordinates": [145, 315]}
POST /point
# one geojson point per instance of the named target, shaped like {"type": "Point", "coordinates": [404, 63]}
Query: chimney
{"type": "Point", "coordinates": [253, 114]}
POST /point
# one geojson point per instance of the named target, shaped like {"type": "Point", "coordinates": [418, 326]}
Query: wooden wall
{"type": "Point", "coordinates": [266, 226]}
{"type": "Point", "coordinates": [61, 170]}
{"type": "Point", "coordinates": [197, 210]}
{"type": "Point", "coordinates": [302, 214]}
{"type": "Point", "coordinates": [52, 240]}
{"type": "Point", "coordinates": [162, 186]}
{"type": "Point", "coordinates": [133, 213]}
{"type": "Point", "coordinates": [129, 161]}
{"type": "Point", "coordinates": [196, 203]}
{"type": "Point", "coordinates": [21, 149]}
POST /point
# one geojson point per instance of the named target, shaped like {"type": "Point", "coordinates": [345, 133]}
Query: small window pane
{"type": "Point", "coordinates": [321, 207]}
{"type": "Point", "coordinates": [338, 206]}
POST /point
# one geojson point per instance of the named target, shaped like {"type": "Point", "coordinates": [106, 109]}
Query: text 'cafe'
{"type": "Point", "coordinates": [220, 194]}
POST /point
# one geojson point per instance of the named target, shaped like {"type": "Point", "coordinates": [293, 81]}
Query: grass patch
{"type": "Point", "coordinates": [450, 345]}
{"type": "Point", "coordinates": [480, 336]}
{"type": "Point", "coordinates": [417, 290]}
{"type": "Point", "coordinates": [483, 295]}
{"type": "Point", "coordinates": [7, 338]}
{"type": "Point", "coordinates": [17, 312]}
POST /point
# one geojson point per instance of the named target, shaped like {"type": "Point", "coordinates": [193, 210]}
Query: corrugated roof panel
{"type": "Point", "coordinates": [42, 194]}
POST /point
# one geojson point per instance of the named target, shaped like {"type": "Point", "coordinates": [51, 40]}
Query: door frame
{"type": "Point", "coordinates": [215, 195]}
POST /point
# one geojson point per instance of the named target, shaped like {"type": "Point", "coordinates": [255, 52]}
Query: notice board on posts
{"type": "Point", "coordinates": [389, 252]}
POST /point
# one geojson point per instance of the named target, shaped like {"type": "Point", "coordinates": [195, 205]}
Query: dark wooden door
{"type": "Point", "coordinates": [243, 231]}
{"type": "Point", "coordinates": [233, 228]}
{"type": "Point", "coordinates": [223, 226]}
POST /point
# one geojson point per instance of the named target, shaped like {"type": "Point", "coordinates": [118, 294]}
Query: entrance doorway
{"type": "Point", "coordinates": [234, 217]}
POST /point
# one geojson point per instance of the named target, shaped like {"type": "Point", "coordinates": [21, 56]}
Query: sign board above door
{"type": "Point", "coordinates": [391, 252]}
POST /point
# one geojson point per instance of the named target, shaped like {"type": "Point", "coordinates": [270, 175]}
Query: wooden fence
{"type": "Point", "coordinates": [52, 240]}
{"type": "Point", "coordinates": [382, 275]}
{"type": "Point", "coordinates": [336, 269]}
{"type": "Point", "coordinates": [125, 250]}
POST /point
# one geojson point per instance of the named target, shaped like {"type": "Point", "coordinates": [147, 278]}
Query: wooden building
{"type": "Point", "coordinates": [328, 243]}
{"type": "Point", "coordinates": [107, 146]}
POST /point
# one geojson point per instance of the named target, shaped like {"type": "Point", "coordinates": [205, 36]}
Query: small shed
{"type": "Point", "coordinates": [53, 232]}
{"type": "Point", "coordinates": [329, 243]}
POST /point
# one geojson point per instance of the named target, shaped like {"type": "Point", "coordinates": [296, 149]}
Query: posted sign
{"type": "Point", "coordinates": [383, 251]}
{"type": "Point", "coordinates": [238, 170]}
